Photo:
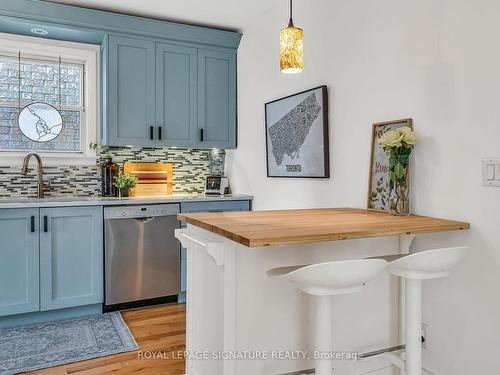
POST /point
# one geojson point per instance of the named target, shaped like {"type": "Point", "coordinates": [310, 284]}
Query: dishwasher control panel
{"type": "Point", "coordinates": [144, 211]}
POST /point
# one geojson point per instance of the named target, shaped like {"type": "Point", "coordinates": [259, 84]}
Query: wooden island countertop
{"type": "Point", "coordinates": [282, 227]}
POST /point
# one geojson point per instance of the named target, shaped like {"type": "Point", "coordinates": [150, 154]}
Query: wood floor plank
{"type": "Point", "coordinates": [156, 329]}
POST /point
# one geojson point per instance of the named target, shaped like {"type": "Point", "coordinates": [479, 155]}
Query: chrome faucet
{"type": "Point", "coordinates": [24, 172]}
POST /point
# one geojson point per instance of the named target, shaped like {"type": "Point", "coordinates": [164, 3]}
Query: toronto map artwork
{"type": "Point", "coordinates": [288, 134]}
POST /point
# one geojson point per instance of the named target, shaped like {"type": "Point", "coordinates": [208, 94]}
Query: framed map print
{"type": "Point", "coordinates": [297, 135]}
{"type": "Point", "coordinates": [378, 181]}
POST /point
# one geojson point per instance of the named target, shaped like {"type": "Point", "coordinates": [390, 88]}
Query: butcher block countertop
{"type": "Point", "coordinates": [282, 227]}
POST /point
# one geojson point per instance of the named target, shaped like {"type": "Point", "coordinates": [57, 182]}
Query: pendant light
{"type": "Point", "coordinates": [291, 48]}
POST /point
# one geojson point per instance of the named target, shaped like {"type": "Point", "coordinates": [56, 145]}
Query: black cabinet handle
{"type": "Point", "coordinates": [201, 135]}
{"type": "Point", "coordinates": [159, 132]}
{"type": "Point", "coordinates": [32, 224]}
{"type": "Point", "coordinates": [45, 224]}
{"type": "Point", "coordinates": [151, 132]}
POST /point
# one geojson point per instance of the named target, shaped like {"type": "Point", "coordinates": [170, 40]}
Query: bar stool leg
{"type": "Point", "coordinates": [413, 327]}
{"type": "Point", "coordinates": [324, 334]}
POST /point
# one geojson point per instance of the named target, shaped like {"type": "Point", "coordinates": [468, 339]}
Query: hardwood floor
{"type": "Point", "coordinates": [156, 329]}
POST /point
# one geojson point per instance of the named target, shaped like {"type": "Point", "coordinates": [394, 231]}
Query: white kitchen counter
{"type": "Point", "coordinates": [112, 201]}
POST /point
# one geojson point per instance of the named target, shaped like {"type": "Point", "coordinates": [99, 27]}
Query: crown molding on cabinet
{"type": "Point", "coordinates": [90, 25]}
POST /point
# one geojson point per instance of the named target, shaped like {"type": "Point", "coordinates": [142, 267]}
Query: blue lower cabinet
{"type": "Point", "coordinates": [19, 261]}
{"type": "Point", "coordinates": [183, 274]}
{"type": "Point", "coordinates": [225, 206]}
{"type": "Point", "coordinates": [71, 257]}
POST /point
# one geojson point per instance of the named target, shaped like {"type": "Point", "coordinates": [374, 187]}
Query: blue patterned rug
{"type": "Point", "coordinates": [52, 344]}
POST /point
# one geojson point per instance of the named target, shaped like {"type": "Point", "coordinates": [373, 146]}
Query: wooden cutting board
{"type": "Point", "coordinates": [154, 179]}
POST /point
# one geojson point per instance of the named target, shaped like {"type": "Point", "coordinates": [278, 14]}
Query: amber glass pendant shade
{"type": "Point", "coordinates": [291, 50]}
{"type": "Point", "coordinates": [291, 47]}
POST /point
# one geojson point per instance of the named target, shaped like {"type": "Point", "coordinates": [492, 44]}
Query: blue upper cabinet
{"type": "Point", "coordinates": [169, 94]}
{"type": "Point", "coordinates": [19, 261]}
{"type": "Point", "coordinates": [131, 92]}
{"type": "Point", "coordinates": [71, 257]}
{"type": "Point", "coordinates": [176, 95]}
{"type": "Point", "coordinates": [217, 99]}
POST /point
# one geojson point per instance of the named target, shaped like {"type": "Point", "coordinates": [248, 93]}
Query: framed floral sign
{"type": "Point", "coordinates": [379, 180]}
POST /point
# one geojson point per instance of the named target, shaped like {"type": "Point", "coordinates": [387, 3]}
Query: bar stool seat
{"type": "Point", "coordinates": [414, 268]}
{"type": "Point", "coordinates": [325, 280]}
{"type": "Point", "coordinates": [430, 264]}
{"type": "Point", "coordinates": [331, 278]}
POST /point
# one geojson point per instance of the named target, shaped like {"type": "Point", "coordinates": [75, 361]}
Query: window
{"type": "Point", "coordinates": [63, 75]}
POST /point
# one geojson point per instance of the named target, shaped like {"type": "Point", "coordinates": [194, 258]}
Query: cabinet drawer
{"type": "Point", "coordinates": [242, 205]}
{"type": "Point", "coordinates": [214, 207]}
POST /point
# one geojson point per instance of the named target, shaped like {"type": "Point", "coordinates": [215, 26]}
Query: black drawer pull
{"type": "Point", "coordinates": [45, 224]}
{"type": "Point", "coordinates": [32, 224]}
{"type": "Point", "coordinates": [159, 133]}
{"type": "Point", "coordinates": [201, 135]}
{"type": "Point", "coordinates": [151, 132]}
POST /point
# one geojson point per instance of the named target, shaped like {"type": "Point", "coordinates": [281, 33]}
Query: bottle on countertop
{"type": "Point", "coordinates": [109, 170]}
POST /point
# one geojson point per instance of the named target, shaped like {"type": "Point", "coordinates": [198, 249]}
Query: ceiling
{"type": "Point", "coordinates": [224, 14]}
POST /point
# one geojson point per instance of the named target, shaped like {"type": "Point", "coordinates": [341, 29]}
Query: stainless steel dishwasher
{"type": "Point", "coordinates": [142, 256]}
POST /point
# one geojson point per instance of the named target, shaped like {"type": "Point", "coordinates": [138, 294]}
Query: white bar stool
{"type": "Point", "coordinates": [325, 280]}
{"type": "Point", "coordinates": [414, 268]}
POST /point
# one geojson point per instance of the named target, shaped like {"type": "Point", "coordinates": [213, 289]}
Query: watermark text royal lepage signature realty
{"type": "Point", "coordinates": [248, 355]}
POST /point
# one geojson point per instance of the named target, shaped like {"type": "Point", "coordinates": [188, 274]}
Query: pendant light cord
{"type": "Point", "coordinates": [290, 22]}
{"type": "Point", "coordinates": [19, 79]}
{"type": "Point", "coordinates": [59, 84]}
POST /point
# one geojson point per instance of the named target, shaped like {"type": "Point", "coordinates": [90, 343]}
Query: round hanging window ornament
{"type": "Point", "coordinates": [40, 122]}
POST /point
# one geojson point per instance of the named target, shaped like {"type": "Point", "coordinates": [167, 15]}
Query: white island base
{"type": "Point", "coordinates": [235, 310]}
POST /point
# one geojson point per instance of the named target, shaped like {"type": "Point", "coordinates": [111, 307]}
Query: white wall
{"type": "Point", "coordinates": [437, 61]}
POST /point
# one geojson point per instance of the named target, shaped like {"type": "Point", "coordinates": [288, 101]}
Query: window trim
{"type": "Point", "coordinates": [89, 55]}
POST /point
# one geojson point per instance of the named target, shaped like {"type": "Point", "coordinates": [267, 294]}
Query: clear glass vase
{"type": "Point", "coordinates": [400, 198]}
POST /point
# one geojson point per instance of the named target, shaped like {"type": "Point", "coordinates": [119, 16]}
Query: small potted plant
{"type": "Point", "coordinates": [124, 182]}
{"type": "Point", "coordinates": [398, 143]}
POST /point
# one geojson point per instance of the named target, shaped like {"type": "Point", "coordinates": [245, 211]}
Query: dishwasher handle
{"type": "Point", "coordinates": [141, 212]}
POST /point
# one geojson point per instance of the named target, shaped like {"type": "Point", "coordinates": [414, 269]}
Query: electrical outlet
{"type": "Point", "coordinates": [425, 335]}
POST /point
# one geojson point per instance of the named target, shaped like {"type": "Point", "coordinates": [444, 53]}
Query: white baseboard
{"type": "Point", "coordinates": [380, 366]}
{"type": "Point", "coordinates": [374, 366]}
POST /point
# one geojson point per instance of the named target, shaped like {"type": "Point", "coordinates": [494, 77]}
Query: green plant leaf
{"type": "Point", "coordinates": [406, 151]}
{"type": "Point", "coordinates": [399, 171]}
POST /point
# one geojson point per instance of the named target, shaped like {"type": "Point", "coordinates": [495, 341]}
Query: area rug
{"type": "Point", "coordinates": [51, 344]}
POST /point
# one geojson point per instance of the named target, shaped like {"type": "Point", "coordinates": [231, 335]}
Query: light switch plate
{"type": "Point", "coordinates": [491, 172]}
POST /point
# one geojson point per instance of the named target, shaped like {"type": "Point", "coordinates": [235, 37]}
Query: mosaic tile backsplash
{"type": "Point", "coordinates": [190, 170]}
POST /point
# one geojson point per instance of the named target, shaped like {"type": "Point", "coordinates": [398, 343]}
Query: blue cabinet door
{"type": "Point", "coordinates": [131, 92]}
{"type": "Point", "coordinates": [19, 257]}
{"type": "Point", "coordinates": [71, 257]}
{"type": "Point", "coordinates": [176, 95]}
{"type": "Point", "coordinates": [216, 99]}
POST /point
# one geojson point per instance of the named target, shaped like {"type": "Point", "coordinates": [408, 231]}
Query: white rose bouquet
{"type": "Point", "coordinates": [399, 144]}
